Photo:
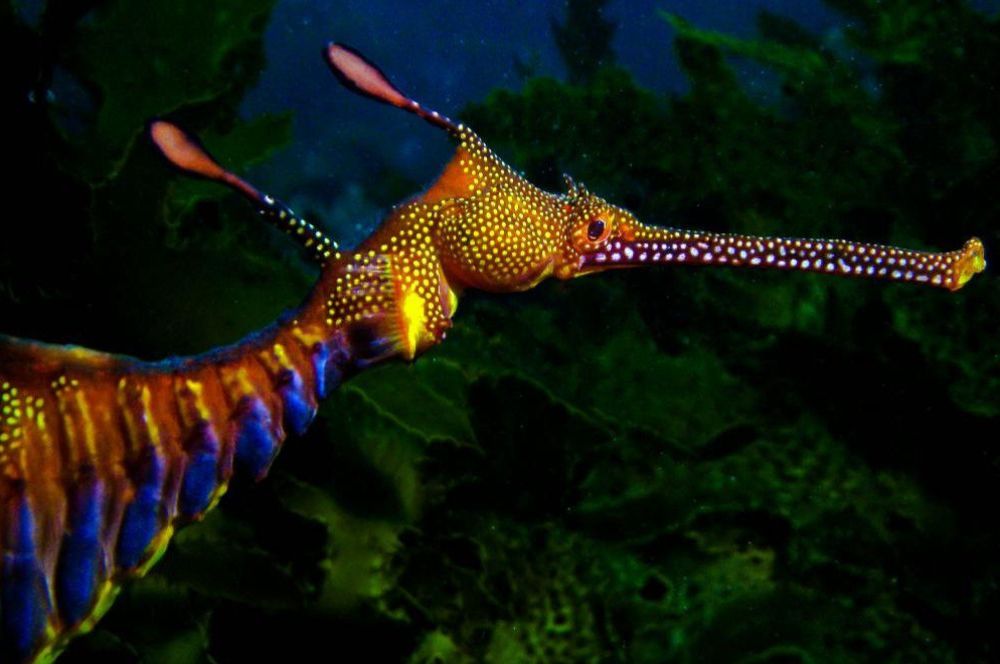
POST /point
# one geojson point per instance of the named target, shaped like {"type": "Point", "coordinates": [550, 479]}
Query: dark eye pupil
{"type": "Point", "coordinates": [595, 230]}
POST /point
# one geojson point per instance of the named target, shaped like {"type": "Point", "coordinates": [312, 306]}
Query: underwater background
{"type": "Point", "coordinates": [668, 466]}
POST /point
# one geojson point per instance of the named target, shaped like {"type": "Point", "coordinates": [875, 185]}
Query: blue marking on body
{"type": "Point", "coordinates": [24, 598]}
{"type": "Point", "coordinates": [320, 359]}
{"type": "Point", "coordinates": [297, 410]}
{"type": "Point", "coordinates": [256, 446]}
{"type": "Point", "coordinates": [201, 476]}
{"type": "Point", "coordinates": [80, 553]}
{"type": "Point", "coordinates": [329, 358]}
{"type": "Point", "coordinates": [141, 520]}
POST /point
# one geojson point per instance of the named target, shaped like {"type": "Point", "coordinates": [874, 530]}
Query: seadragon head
{"type": "Point", "coordinates": [602, 236]}
{"type": "Point", "coordinates": [593, 227]}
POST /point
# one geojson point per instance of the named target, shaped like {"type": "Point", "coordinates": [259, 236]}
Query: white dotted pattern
{"type": "Point", "coordinates": [948, 270]}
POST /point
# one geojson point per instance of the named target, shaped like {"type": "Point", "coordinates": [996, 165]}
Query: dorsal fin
{"type": "Point", "coordinates": [187, 154]}
{"type": "Point", "coordinates": [359, 74]}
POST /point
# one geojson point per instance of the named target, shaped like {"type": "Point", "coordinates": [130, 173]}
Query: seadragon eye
{"type": "Point", "coordinates": [595, 230]}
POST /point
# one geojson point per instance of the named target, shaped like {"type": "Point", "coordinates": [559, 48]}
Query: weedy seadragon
{"type": "Point", "coordinates": [103, 457]}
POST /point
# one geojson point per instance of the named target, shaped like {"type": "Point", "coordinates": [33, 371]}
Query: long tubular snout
{"type": "Point", "coordinates": [649, 245]}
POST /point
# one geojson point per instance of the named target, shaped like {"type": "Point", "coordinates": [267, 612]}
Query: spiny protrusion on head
{"type": "Point", "coordinates": [186, 153]}
{"type": "Point", "coordinates": [575, 191]}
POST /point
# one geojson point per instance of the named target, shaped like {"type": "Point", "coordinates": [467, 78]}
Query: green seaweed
{"type": "Point", "coordinates": [145, 61]}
